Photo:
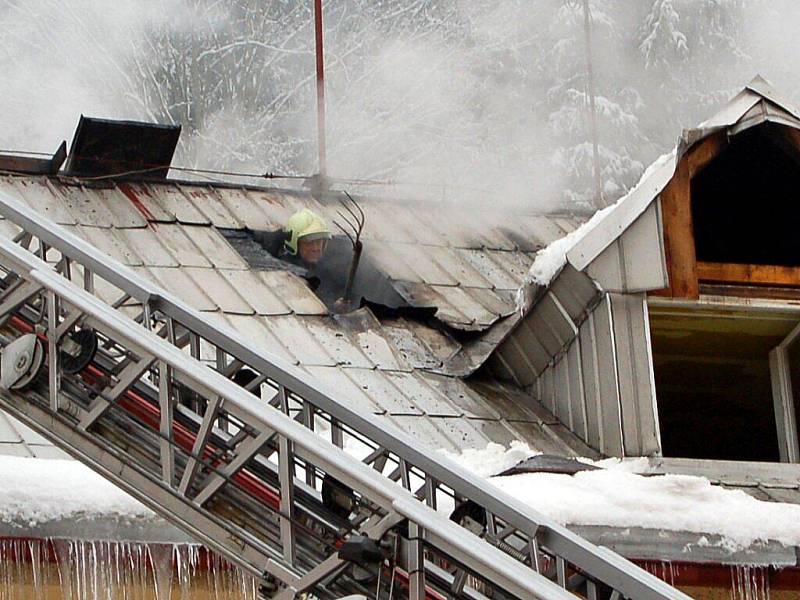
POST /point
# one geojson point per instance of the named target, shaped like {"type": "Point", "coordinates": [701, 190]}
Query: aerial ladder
{"type": "Point", "coordinates": [246, 453]}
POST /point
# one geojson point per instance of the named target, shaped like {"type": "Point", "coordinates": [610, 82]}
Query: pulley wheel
{"type": "Point", "coordinates": [34, 361]}
{"type": "Point", "coordinates": [81, 347]}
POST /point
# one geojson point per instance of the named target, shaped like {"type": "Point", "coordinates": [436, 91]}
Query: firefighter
{"type": "Point", "coordinates": [300, 245]}
{"type": "Point", "coordinates": [301, 242]}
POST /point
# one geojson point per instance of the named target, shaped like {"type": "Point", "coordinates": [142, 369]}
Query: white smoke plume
{"type": "Point", "coordinates": [482, 101]}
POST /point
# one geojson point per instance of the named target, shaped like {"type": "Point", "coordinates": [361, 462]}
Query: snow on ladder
{"type": "Point", "coordinates": [108, 366]}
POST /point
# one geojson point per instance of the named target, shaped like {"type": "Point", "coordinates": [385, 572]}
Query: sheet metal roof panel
{"type": "Point", "coordinates": [149, 203]}
{"type": "Point", "coordinates": [256, 292]}
{"type": "Point", "coordinates": [40, 194]}
{"type": "Point", "coordinates": [449, 260]}
{"type": "Point", "coordinates": [420, 261]}
{"type": "Point", "coordinates": [146, 243]}
{"type": "Point", "coordinates": [464, 433]}
{"type": "Point", "coordinates": [448, 228]}
{"type": "Point", "coordinates": [8, 433]}
{"type": "Point", "coordinates": [293, 292]}
{"type": "Point", "coordinates": [206, 200]}
{"type": "Point", "coordinates": [489, 268]}
{"type": "Point", "coordinates": [8, 185]}
{"type": "Point", "coordinates": [377, 226]}
{"type": "Point", "coordinates": [461, 395]}
{"type": "Point", "coordinates": [123, 211]}
{"type": "Point", "coordinates": [515, 264]}
{"type": "Point", "coordinates": [10, 230]}
{"type": "Point", "coordinates": [221, 292]}
{"type": "Point", "coordinates": [485, 228]}
{"type": "Point", "coordinates": [106, 240]}
{"type": "Point", "coordinates": [498, 432]}
{"type": "Point", "coordinates": [425, 296]}
{"type": "Point", "coordinates": [48, 452]}
{"type": "Point", "coordinates": [466, 304]}
{"type": "Point", "coordinates": [215, 247]}
{"type": "Point", "coordinates": [168, 202]}
{"type": "Point", "coordinates": [413, 350]}
{"type": "Point", "coordinates": [428, 399]}
{"type": "Point", "coordinates": [498, 303]}
{"type": "Point", "coordinates": [380, 350]}
{"type": "Point", "coordinates": [425, 432]}
{"type": "Point", "coordinates": [504, 402]}
{"type": "Point", "coordinates": [575, 291]}
{"type": "Point", "coordinates": [344, 351]}
{"type": "Point", "coordinates": [389, 263]}
{"type": "Point", "coordinates": [568, 224]}
{"type": "Point", "coordinates": [297, 337]}
{"type": "Point", "coordinates": [787, 495]}
{"type": "Point", "coordinates": [419, 225]}
{"type": "Point", "coordinates": [383, 392]}
{"type": "Point", "coordinates": [348, 389]}
{"type": "Point", "coordinates": [248, 209]}
{"type": "Point", "coordinates": [256, 329]}
{"type": "Point", "coordinates": [183, 286]}
{"type": "Point", "coordinates": [86, 206]}
{"type": "Point", "coordinates": [180, 244]}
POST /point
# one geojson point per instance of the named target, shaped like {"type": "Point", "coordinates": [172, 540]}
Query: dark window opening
{"type": "Point", "coordinates": [713, 384]}
{"type": "Point", "coordinates": [744, 204]}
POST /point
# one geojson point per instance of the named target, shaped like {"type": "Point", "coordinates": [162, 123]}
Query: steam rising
{"type": "Point", "coordinates": [458, 99]}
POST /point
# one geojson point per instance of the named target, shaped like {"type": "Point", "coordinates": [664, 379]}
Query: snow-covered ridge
{"type": "Point", "coordinates": [552, 258]}
{"type": "Point", "coordinates": [618, 496]}
{"type": "Point", "coordinates": [37, 491]}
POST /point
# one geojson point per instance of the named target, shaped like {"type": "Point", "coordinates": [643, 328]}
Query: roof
{"type": "Point", "coordinates": [420, 374]}
{"type": "Point", "coordinates": [467, 264]}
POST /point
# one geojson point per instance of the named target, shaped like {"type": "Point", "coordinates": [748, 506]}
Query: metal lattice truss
{"type": "Point", "coordinates": [245, 453]}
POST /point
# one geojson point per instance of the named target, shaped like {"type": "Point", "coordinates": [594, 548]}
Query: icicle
{"type": "Point", "coordinates": [161, 561]}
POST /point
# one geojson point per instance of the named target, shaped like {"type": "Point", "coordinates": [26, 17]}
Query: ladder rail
{"type": "Point", "coordinates": [549, 536]}
{"type": "Point", "coordinates": [463, 546]}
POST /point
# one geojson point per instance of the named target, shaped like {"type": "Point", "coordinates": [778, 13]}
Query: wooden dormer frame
{"type": "Point", "coordinates": [685, 272]}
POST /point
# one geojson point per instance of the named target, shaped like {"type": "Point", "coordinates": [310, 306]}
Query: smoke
{"type": "Point", "coordinates": [61, 59]}
{"type": "Point", "coordinates": [464, 100]}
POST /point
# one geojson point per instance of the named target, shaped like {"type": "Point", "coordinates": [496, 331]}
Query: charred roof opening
{"type": "Point", "coordinates": [103, 147]}
{"type": "Point", "coordinates": [328, 278]}
{"type": "Point", "coordinates": [744, 203]}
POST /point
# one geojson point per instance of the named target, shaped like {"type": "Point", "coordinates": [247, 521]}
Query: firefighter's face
{"type": "Point", "coordinates": [311, 251]}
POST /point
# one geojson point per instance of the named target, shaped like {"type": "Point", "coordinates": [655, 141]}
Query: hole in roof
{"type": "Point", "coordinates": [327, 279]}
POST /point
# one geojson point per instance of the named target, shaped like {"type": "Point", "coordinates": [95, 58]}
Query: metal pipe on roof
{"type": "Point", "coordinates": [320, 88]}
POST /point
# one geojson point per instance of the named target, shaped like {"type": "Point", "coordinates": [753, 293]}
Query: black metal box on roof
{"type": "Point", "coordinates": [119, 148]}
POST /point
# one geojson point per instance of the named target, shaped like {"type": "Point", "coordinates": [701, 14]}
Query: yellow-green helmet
{"type": "Point", "coordinates": [305, 224]}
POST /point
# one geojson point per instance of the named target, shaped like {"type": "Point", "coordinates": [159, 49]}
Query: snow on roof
{"type": "Point", "coordinates": [618, 496]}
{"type": "Point", "coordinates": [35, 491]}
{"type": "Point", "coordinates": [551, 259]}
